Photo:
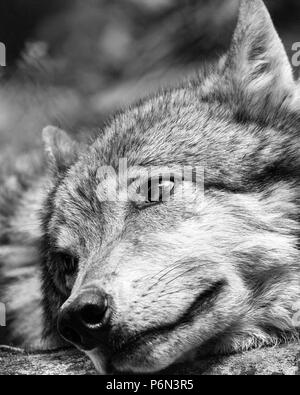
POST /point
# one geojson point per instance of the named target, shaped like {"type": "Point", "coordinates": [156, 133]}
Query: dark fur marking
{"type": "Point", "coordinates": [52, 297]}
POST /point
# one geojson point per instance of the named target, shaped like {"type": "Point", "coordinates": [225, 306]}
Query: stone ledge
{"type": "Point", "coordinates": [282, 360]}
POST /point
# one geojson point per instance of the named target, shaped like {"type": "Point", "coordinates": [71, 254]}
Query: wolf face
{"type": "Point", "coordinates": [140, 284]}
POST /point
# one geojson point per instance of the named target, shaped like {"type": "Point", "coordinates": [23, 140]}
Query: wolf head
{"type": "Point", "coordinates": [143, 264]}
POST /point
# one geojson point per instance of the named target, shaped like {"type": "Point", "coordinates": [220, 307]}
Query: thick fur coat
{"type": "Point", "coordinates": [218, 273]}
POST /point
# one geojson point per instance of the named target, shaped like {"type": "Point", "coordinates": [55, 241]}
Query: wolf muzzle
{"type": "Point", "coordinates": [84, 321]}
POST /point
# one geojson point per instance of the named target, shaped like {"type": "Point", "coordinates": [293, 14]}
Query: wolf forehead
{"type": "Point", "coordinates": [177, 128]}
{"type": "Point", "coordinates": [167, 131]}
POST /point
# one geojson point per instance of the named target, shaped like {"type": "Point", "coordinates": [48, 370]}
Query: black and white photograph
{"type": "Point", "coordinates": [150, 190]}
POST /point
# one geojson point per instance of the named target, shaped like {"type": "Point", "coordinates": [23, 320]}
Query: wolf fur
{"type": "Point", "coordinates": [219, 277]}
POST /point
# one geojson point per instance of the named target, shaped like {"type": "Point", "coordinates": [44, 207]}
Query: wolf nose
{"type": "Point", "coordinates": [83, 321]}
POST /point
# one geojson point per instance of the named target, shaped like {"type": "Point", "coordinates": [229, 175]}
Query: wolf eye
{"type": "Point", "coordinates": [70, 263]}
{"type": "Point", "coordinates": [157, 191]}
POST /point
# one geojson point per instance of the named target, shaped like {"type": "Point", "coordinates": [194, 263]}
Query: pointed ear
{"type": "Point", "coordinates": [61, 149]}
{"type": "Point", "coordinates": [257, 61]}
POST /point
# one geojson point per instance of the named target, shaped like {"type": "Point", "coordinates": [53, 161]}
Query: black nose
{"type": "Point", "coordinates": [84, 320]}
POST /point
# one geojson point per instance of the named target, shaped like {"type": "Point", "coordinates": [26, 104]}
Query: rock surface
{"type": "Point", "coordinates": [282, 360]}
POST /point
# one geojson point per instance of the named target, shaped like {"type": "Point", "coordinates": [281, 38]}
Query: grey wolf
{"type": "Point", "coordinates": [138, 287]}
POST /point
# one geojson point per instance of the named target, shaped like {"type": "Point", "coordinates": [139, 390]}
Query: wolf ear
{"type": "Point", "coordinates": [257, 61]}
{"type": "Point", "coordinates": [61, 149]}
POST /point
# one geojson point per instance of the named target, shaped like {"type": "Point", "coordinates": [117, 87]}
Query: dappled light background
{"type": "Point", "coordinates": [73, 63]}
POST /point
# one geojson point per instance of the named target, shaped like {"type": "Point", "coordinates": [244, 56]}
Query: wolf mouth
{"type": "Point", "coordinates": [202, 303]}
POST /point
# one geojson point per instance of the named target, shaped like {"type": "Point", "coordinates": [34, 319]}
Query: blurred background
{"type": "Point", "coordinates": [73, 63]}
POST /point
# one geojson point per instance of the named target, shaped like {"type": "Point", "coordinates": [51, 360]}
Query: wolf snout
{"type": "Point", "coordinates": [84, 321]}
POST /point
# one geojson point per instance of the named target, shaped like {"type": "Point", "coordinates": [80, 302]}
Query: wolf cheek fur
{"type": "Point", "coordinates": [223, 277]}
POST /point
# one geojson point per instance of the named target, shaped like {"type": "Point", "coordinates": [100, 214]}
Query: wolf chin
{"type": "Point", "coordinates": [138, 287]}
